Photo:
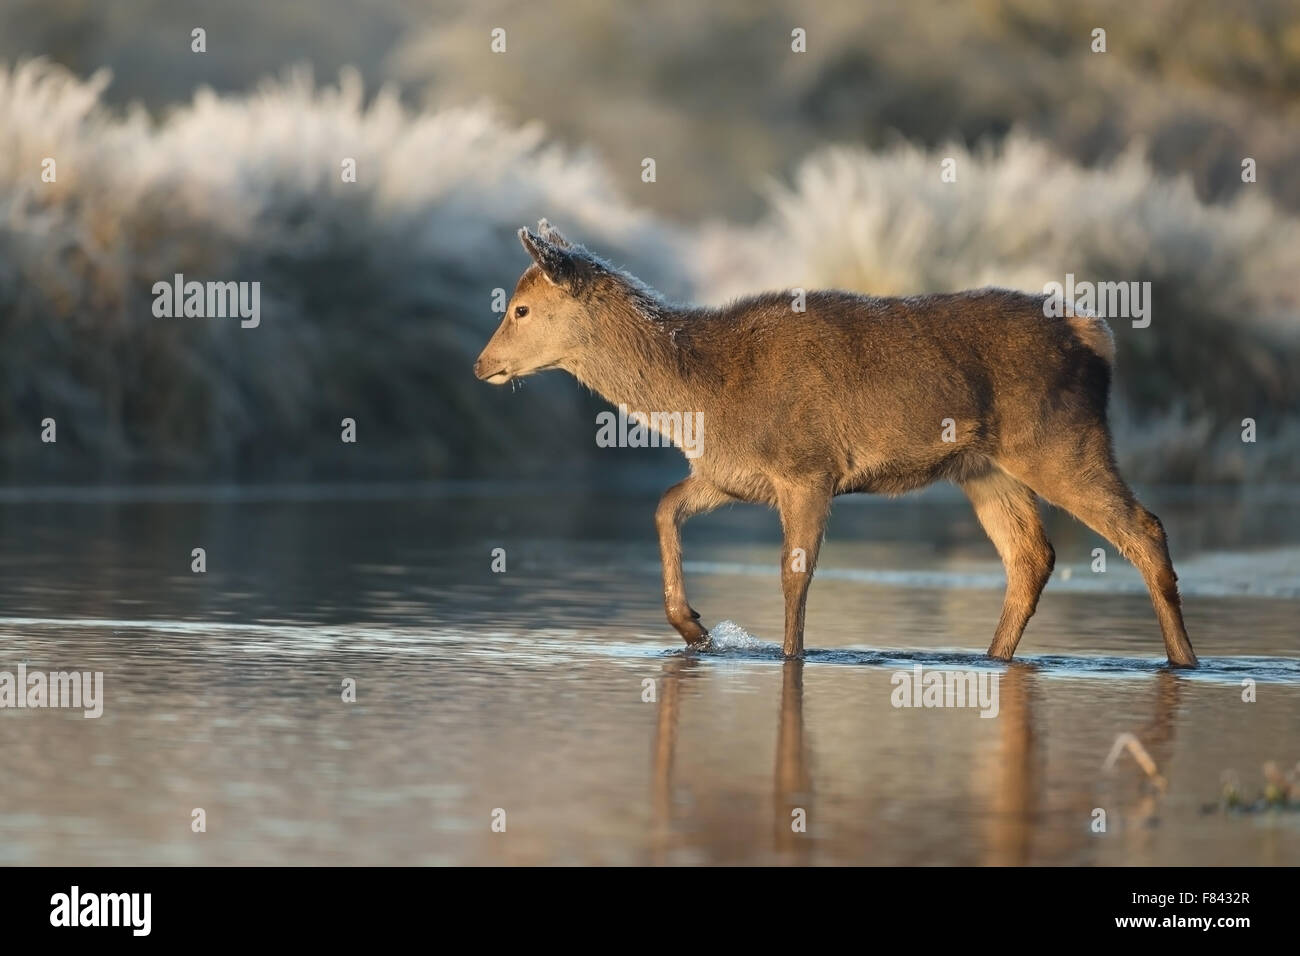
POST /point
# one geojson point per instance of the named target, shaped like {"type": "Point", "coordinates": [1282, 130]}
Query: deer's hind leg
{"type": "Point", "coordinates": [1078, 473]}
{"type": "Point", "coordinates": [1008, 511]}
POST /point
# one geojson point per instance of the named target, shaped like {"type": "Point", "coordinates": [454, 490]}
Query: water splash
{"type": "Point", "coordinates": [729, 637]}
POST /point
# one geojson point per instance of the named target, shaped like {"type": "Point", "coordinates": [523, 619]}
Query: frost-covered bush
{"type": "Point", "coordinates": [376, 295]}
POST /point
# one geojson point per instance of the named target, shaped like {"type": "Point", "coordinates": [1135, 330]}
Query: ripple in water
{"type": "Point", "coordinates": [731, 641]}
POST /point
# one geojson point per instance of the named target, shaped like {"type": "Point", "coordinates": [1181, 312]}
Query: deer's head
{"type": "Point", "coordinates": [548, 318]}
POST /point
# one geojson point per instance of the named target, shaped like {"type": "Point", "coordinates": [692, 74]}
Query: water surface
{"type": "Point", "coordinates": [524, 691]}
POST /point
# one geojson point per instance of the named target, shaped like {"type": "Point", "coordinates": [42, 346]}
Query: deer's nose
{"type": "Point", "coordinates": [484, 370]}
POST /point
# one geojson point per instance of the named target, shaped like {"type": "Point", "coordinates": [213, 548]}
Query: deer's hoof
{"type": "Point", "coordinates": [703, 644]}
{"type": "Point", "coordinates": [692, 632]}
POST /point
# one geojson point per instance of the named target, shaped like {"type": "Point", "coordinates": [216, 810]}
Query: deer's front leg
{"type": "Point", "coordinates": [803, 519]}
{"type": "Point", "coordinates": [686, 498]}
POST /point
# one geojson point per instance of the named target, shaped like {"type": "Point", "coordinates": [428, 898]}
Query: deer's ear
{"type": "Point", "coordinates": [552, 235]}
{"type": "Point", "coordinates": [556, 262]}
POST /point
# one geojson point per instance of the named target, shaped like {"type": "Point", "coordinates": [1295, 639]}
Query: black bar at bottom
{"type": "Point", "coordinates": [213, 905]}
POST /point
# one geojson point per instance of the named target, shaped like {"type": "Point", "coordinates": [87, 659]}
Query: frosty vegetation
{"type": "Point", "coordinates": [376, 295]}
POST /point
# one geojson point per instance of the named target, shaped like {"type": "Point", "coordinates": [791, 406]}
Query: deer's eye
{"type": "Point", "coordinates": [521, 311]}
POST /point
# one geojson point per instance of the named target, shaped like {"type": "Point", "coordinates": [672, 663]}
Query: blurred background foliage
{"type": "Point", "coordinates": [773, 168]}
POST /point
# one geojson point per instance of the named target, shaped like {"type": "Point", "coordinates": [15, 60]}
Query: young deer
{"type": "Point", "coordinates": [855, 394]}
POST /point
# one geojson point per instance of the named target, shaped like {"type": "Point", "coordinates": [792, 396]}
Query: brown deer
{"type": "Point", "coordinates": [853, 394]}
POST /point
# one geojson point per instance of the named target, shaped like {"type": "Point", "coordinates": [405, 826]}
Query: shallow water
{"type": "Point", "coordinates": [523, 691]}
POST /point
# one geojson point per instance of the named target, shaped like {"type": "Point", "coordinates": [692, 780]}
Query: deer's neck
{"type": "Point", "coordinates": [633, 358]}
